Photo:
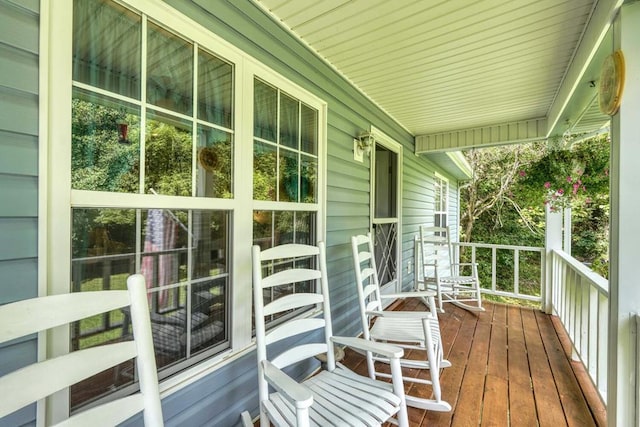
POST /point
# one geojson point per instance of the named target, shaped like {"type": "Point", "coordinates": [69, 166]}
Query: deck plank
{"type": "Point", "coordinates": [496, 390]}
{"type": "Point", "coordinates": [548, 406]}
{"type": "Point", "coordinates": [521, 404]}
{"type": "Point", "coordinates": [451, 377]}
{"type": "Point", "coordinates": [469, 406]}
{"type": "Point", "coordinates": [594, 401]}
{"type": "Point", "coordinates": [573, 402]}
{"type": "Point", "coordinates": [509, 368]}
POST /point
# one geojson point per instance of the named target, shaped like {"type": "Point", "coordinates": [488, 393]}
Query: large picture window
{"type": "Point", "coordinates": [158, 152]}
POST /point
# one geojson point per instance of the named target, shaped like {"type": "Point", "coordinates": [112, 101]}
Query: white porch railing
{"type": "Point", "coordinates": [580, 298]}
{"type": "Point", "coordinates": [501, 287]}
{"type": "Point", "coordinates": [507, 285]}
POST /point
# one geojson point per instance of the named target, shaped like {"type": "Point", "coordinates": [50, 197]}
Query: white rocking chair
{"type": "Point", "coordinates": [39, 380]}
{"type": "Point", "coordinates": [411, 330]}
{"type": "Point", "coordinates": [335, 396]}
{"type": "Point", "coordinates": [440, 273]}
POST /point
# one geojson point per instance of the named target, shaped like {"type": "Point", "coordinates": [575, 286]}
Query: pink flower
{"type": "Point", "coordinates": [560, 191]}
{"type": "Point", "coordinates": [522, 173]}
{"type": "Point", "coordinates": [547, 184]}
{"type": "Point", "coordinates": [576, 186]}
{"type": "Point", "coordinates": [569, 179]}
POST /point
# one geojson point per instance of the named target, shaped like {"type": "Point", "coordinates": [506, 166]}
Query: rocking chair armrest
{"type": "Point", "coordinates": [402, 314]}
{"type": "Point", "coordinates": [297, 394]}
{"type": "Point", "coordinates": [410, 294]}
{"type": "Point", "coordinates": [386, 350]}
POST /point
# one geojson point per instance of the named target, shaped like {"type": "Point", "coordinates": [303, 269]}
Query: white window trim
{"type": "Point", "coordinates": [445, 180]}
{"type": "Point", "coordinates": [56, 196]}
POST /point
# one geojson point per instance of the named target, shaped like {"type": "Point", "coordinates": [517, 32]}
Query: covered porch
{"type": "Point", "coordinates": [423, 81]}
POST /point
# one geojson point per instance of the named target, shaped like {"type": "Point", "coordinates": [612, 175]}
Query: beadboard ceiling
{"type": "Point", "coordinates": [439, 66]}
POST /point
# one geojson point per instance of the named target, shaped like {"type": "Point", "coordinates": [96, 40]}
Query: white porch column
{"type": "Point", "coordinates": [552, 240]}
{"type": "Point", "coordinates": [624, 282]}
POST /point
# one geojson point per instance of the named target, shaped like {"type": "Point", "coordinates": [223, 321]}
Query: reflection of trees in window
{"type": "Point", "coordinates": [285, 169]}
{"type": "Point", "coordinates": [168, 159]}
{"type": "Point", "coordinates": [264, 172]}
{"type": "Point", "coordinates": [215, 163]}
{"type": "Point", "coordinates": [288, 176]}
{"type": "Point", "coordinates": [98, 160]}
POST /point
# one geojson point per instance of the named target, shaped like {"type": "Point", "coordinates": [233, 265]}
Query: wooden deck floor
{"type": "Point", "coordinates": [510, 367]}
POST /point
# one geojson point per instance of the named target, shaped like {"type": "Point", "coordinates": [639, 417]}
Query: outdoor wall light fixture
{"type": "Point", "coordinates": [365, 141]}
{"type": "Point", "coordinates": [362, 145]}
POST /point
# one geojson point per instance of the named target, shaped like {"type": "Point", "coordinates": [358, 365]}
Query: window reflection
{"type": "Point", "coordinates": [215, 90]}
{"type": "Point", "coordinates": [189, 310]}
{"type": "Point", "coordinates": [168, 155]}
{"type": "Point", "coordinates": [169, 71]}
{"type": "Point", "coordinates": [103, 157]}
{"type": "Point", "coordinates": [106, 47]}
{"type": "Point", "coordinates": [215, 163]}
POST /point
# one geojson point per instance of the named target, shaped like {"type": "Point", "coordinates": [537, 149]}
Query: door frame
{"type": "Point", "coordinates": [392, 145]}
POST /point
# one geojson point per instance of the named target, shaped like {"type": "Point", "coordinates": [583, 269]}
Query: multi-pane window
{"type": "Point", "coordinates": [152, 115]}
{"type": "Point", "coordinates": [441, 190]}
{"type": "Point", "coordinates": [285, 171]}
{"type": "Point", "coordinates": [159, 152]}
{"type": "Point", "coordinates": [285, 167]}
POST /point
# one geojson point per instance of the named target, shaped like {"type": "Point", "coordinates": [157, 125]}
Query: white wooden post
{"type": "Point", "coordinates": [624, 289]}
{"type": "Point", "coordinates": [566, 235]}
{"type": "Point", "coordinates": [552, 240]}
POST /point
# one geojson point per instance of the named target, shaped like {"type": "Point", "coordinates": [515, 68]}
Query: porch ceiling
{"type": "Point", "coordinates": [459, 73]}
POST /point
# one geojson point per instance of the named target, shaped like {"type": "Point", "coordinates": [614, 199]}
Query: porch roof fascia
{"type": "Point", "coordinates": [575, 95]}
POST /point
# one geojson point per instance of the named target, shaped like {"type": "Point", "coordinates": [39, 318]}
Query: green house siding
{"type": "Point", "coordinates": [18, 175]}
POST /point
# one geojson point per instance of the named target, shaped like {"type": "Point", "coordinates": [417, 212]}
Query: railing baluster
{"type": "Point", "coordinates": [493, 268]}
{"type": "Point", "coordinates": [516, 271]}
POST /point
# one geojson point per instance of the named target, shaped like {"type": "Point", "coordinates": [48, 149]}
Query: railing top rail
{"type": "Point", "coordinates": [600, 282]}
{"type": "Point", "coordinates": [497, 246]}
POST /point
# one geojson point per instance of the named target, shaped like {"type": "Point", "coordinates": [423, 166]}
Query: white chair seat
{"type": "Point", "coordinates": [402, 330]}
{"type": "Point", "coordinates": [343, 398]}
{"type": "Point", "coordinates": [458, 280]}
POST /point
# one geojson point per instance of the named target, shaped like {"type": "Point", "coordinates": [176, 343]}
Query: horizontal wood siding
{"type": "Point", "coordinates": [19, 22]}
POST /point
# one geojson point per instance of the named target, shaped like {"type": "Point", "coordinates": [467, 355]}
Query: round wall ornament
{"type": "Point", "coordinates": [611, 83]}
{"type": "Point", "coordinates": [208, 158]}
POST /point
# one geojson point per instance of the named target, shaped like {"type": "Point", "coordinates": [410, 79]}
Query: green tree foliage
{"type": "Point", "coordinates": [504, 202]}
